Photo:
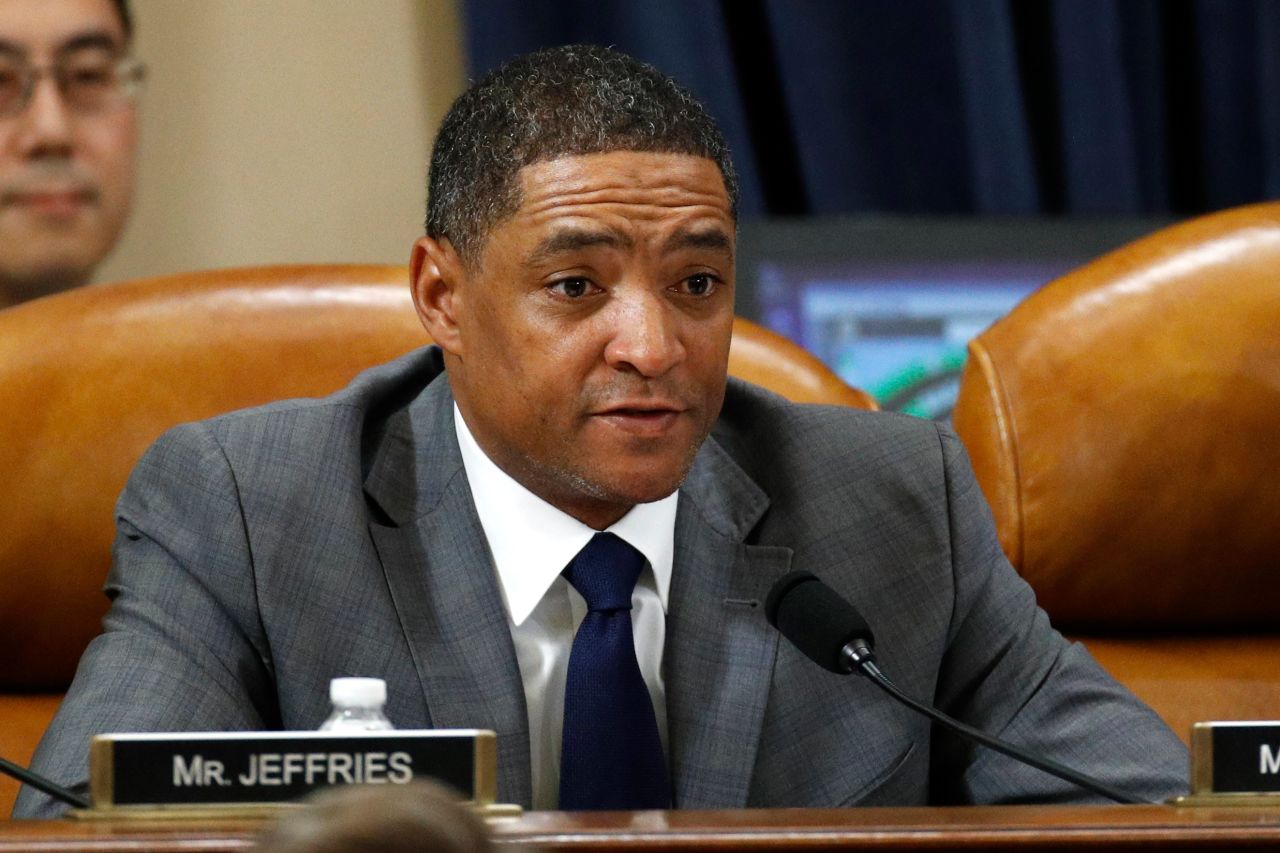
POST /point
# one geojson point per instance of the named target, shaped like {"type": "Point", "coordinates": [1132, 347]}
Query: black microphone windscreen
{"type": "Point", "coordinates": [816, 619]}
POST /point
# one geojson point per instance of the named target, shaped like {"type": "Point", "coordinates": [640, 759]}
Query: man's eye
{"type": "Point", "coordinates": [702, 284]}
{"type": "Point", "coordinates": [90, 76]}
{"type": "Point", "coordinates": [10, 78]}
{"type": "Point", "coordinates": [573, 288]}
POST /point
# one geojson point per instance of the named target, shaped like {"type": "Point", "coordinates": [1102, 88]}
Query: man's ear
{"type": "Point", "coordinates": [437, 279]}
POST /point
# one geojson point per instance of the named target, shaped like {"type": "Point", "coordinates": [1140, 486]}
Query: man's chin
{"type": "Point", "coordinates": [600, 502]}
{"type": "Point", "coordinates": [638, 489]}
{"type": "Point", "coordinates": [25, 281]}
{"type": "Point", "coordinates": [648, 495]}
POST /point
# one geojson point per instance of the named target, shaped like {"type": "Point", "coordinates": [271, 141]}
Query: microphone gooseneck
{"type": "Point", "coordinates": [833, 634]}
{"type": "Point", "coordinates": [40, 783]}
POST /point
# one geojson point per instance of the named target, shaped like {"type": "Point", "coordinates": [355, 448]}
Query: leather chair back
{"type": "Point", "coordinates": [89, 378]}
{"type": "Point", "coordinates": [1124, 424]}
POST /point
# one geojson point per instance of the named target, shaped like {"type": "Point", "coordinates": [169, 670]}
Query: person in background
{"type": "Point", "coordinates": [379, 819]}
{"type": "Point", "coordinates": [68, 134]}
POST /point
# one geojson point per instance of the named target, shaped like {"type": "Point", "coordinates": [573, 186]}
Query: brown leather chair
{"type": "Point", "coordinates": [89, 378]}
{"type": "Point", "coordinates": [1124, 423]}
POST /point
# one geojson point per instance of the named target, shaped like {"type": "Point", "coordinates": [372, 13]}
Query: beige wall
{"type": "Point", "coordinates": [278, 131]}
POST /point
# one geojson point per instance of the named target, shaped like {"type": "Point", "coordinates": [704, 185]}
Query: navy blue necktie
{"type": "Point", "coordinates": [611, 755]}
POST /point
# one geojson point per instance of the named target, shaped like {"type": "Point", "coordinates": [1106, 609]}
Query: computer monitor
{"type": "Point", "coordinates": [890, 304]}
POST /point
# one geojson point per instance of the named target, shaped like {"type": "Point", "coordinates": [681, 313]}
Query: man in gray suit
{"type": "Point", "coordinates": [577, 276]}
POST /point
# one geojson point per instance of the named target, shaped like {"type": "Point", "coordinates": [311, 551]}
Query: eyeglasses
{"type": "Point", "coordinates": [88, 84]}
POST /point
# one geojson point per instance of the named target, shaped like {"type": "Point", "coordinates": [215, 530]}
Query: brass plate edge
{"type": "Point", "coordinates": [102, 759]}
{"type": "Point", "coordinates": [185, 812]}
{"type": "Point", "coordinates": [498, 811]}
{"type": "Point", "coordinates": [1201, 759]}
{"type": "Point", "coordinates": [484, 773]}
{"type": "Point", "coordinates": [1227, 800]}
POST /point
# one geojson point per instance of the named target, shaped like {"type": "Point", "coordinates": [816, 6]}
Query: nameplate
{"type": "Point", "coordinates": [245, 768]}
{"type": "Point", "coordinates": [1235, 758]}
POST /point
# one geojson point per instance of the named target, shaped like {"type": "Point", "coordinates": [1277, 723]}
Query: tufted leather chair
{"type": "Point", "coordinates": [89, 378]}
{"type": "Point", "coordinates": [1124, 423]}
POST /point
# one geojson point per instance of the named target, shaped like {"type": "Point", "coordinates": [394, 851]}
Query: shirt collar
{"type": "Point", "coordinates": [531, 541]}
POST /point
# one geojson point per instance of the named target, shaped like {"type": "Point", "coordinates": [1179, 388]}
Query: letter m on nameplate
{"type": "Point", "coordinates": [241, 768]}
{"type": "Point", "coordinates": [1268, 759]}
{"type": "Point", "coordinates": [187, 770]}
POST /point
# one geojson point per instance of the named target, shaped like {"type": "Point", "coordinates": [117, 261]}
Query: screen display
{"type": "Point", "coordinates": [890, 306]}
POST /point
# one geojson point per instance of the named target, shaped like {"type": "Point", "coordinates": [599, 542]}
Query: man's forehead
{"type": "Point", "coordinates": [30, 27]}
{"type": "Point", "coordinates": [640, 169]}
{"type": "Point", "coordinates": [667, 190]}
{"type": "Point", "coordinates": [549, 192]}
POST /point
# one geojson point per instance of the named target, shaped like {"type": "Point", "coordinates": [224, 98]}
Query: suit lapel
{"type": "Point", "coordinates": [719, 649]}
{"type": "Point", "coordinates": [441, 578]}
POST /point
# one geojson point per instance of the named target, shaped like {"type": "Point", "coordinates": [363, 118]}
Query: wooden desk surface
{"type": "Point", "coordinates": [1023, 828]}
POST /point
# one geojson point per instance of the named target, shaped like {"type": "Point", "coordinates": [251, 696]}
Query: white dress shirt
{"type": "Point", "coordinates": [531, 542]}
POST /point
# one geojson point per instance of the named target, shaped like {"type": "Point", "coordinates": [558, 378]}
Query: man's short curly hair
{"type": "Point", "coordinates": [578, 99]}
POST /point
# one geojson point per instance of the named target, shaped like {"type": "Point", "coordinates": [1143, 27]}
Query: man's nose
{"type": "Point", "coordinates": [44, 127]}
{"type": "Point", "coordinates": [645, 336]}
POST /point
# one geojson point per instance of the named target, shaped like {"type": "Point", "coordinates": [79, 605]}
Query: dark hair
{"type": "Point", "coordinates": [126, 19]}
{"type": "Point", "coordinates": [410, 818]}
{"type": "Point", "coordinates": [577, 99]}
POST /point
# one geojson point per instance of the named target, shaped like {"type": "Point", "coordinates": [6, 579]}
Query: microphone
{"type": "Point", "coordinates": [40, 783]}
{"type": "Point", "coordinates": [832, 633]}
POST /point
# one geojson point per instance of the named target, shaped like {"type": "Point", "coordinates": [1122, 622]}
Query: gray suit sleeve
{"type": "Point", "coordinates": [1008, 672]}
{"type": "Point", "coordinates": [182, 647]}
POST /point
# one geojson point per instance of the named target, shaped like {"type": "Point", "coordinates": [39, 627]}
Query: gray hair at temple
{"type": "Point", "coordinates": [563, 101]}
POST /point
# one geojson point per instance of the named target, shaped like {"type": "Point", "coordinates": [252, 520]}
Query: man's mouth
{"type": "Point", "coordinates": [52, 202]}
{"type": "Point", "coordinates": [644, 420]}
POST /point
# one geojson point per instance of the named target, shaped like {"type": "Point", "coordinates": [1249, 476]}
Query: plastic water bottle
{"type": "Point", "coordinates": [357, 705]}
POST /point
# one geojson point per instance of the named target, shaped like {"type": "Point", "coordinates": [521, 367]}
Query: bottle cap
{"type": "Point", "coordinates": [366, 692]}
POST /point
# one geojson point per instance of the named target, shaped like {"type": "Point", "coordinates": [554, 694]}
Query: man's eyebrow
{"type": "Point", "coordinates": [95, 40]}
{"type": "Point", "coordinates": [713, 238]}
{"type": "Point", "coordinates": [576, 239]}
{"type": "Point", "coordinates": [92, 40]}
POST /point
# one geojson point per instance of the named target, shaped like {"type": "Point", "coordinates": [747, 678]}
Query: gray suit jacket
{"type": "Point", "coordinates": [264, 552]}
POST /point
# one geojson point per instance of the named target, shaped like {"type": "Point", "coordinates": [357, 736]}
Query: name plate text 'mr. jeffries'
{"type": "Point", "coordinates": [212, 768]}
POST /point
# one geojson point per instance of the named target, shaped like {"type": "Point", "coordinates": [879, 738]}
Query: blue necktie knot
{"type": "Point", "coordinates": [605, 572]}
